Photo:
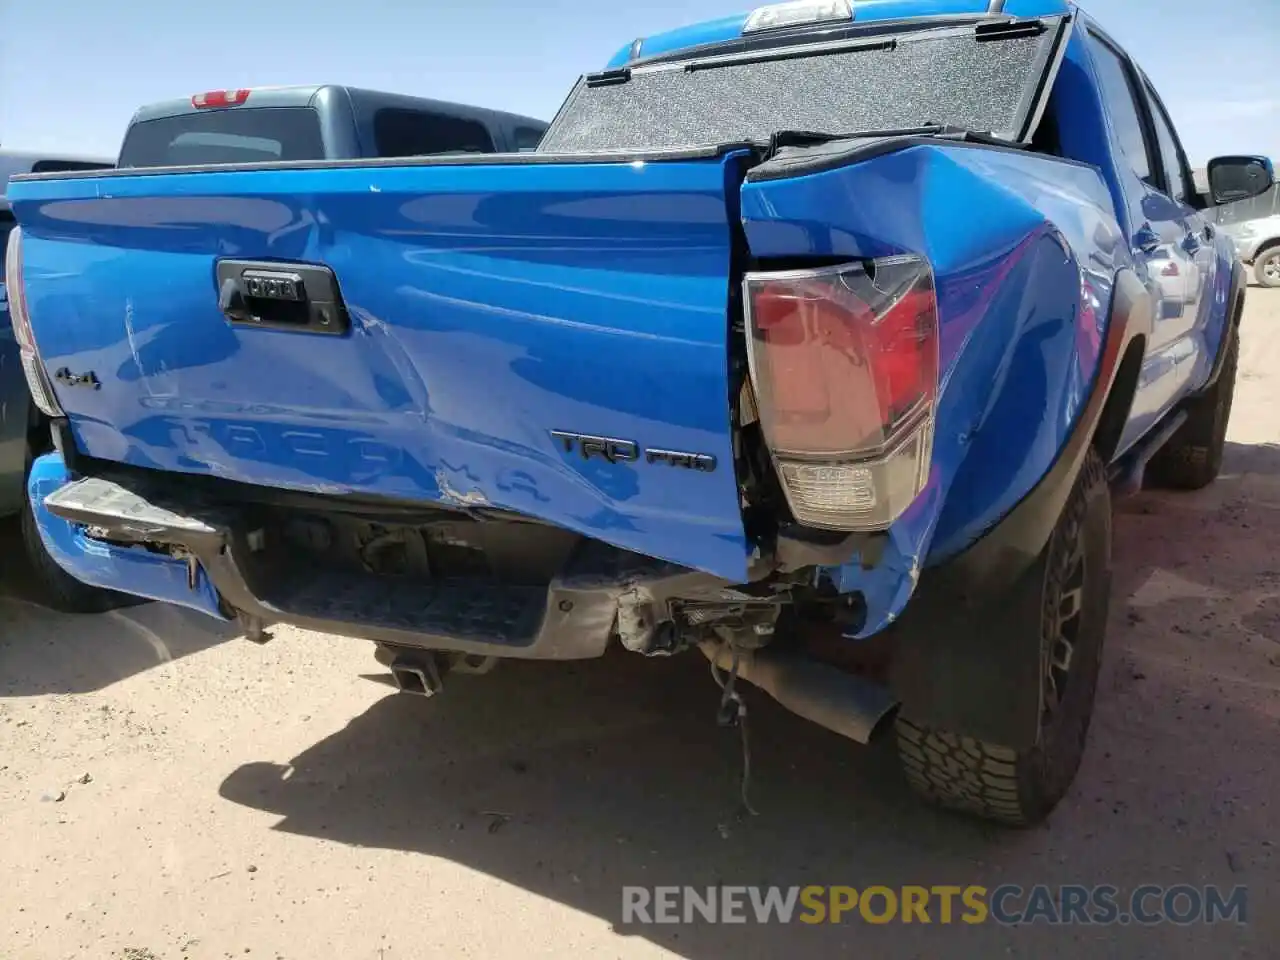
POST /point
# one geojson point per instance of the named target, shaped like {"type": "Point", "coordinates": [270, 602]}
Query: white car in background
{"type": "Point", "coordinates": [1258, 243]}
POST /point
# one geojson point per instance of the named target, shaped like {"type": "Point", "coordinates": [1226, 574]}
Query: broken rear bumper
{"type": "Point", "coordinates": [132, 570]}
{"type": "Point", "coordinates": [199, 556]}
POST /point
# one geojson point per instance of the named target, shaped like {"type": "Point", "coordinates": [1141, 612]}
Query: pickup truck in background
{"type": "Point", "coordinates": [317, 122]}
{"type": "Point", "coordinates": [776, 349]}
{"type": "Point", "coordinates": [24, 433]}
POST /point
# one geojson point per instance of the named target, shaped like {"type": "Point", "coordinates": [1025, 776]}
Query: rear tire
{"type": "Point", "coordinates": [1192, 459]}
{"type": "Point", "coordinates": [1267, 267]}
{"type": "Point", "coordinates": [51, 586]}
{"type": "Point", "coordinates": [1021, 787]}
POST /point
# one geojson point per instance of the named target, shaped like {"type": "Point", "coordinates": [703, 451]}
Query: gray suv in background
{"type": "Point", "coordinates": [318, 122]}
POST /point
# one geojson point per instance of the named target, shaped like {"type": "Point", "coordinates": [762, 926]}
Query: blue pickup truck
{"type": "Point", "coordinates": [776, 348]}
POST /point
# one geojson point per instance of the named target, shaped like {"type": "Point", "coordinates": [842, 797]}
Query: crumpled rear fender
{"type": "Point", "coordinates": [1024, 250]}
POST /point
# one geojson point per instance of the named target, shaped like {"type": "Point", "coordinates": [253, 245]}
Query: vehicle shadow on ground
{"type": "Point", "coordinates": [43, 651]}
{"type": "Point", "coordinates": [573, 780]}
{"type": "Point", "coordinates": [46, 652]}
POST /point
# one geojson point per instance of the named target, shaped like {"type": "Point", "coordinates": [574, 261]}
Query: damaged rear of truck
{"type": "Point", "coordinates": [809, 349]}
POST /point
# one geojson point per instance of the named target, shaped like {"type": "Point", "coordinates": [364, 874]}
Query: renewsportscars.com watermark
{"type": "Point", "coordinates": [1008, 904]}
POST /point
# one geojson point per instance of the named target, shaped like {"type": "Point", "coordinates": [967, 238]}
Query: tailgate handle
{"type": "Point", "coordinates": [298, 297]}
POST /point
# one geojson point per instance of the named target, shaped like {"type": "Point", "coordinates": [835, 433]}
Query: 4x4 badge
{"type": "Point", "coordinates": [89, 379]}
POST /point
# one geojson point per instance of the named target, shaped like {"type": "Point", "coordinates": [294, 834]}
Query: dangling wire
{"type": "Point", "coordinates": [733, 712]}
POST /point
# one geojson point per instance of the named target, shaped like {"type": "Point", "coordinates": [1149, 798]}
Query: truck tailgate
{"type": "Point", "coordinates": [499, 313]}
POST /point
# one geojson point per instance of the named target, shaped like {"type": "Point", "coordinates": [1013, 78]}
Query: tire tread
{"type": "Point", "coordinates": [990, 780]}
{"type": "Point", "coordinates": [1192, 459]}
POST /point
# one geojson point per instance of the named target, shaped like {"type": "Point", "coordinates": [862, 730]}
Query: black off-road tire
{"type": "Point", "coordinates": [1266, 267]}
{"type": "Point", "coordinates": [49, 585]}
{"type": "Point", "coordinates": [1192, 459]}
{"type": "Point", "coordinates": [1073, 581]}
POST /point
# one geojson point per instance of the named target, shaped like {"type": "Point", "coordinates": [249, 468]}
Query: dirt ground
{"type": "Point", "coordinates": [168, 790]}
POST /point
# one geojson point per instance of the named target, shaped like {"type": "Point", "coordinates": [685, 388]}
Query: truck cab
{"type": "Point", "coordinates": [318, 122]}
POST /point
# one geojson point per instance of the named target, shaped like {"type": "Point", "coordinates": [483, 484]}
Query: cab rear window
{"type": "Point", "coordinates": [235, 135]}
{"type": "Point", "coordinates": [418, 133]}
{"type": "Point", "coordinates": [66, 166]}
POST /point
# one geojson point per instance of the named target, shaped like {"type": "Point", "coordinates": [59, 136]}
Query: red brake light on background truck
{"type": "Point", "coordinates": [220, 98]}
{"type": "Point", "coordinates": [844, 362]}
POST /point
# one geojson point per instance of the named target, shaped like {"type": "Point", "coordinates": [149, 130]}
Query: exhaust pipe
{"type": "Point", "coordinates": [842, 702]}
{"type": "Point", "coordinates": [417, 675]}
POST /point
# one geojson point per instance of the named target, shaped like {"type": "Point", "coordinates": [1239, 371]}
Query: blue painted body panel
{"type": "Point", "coordinates": [1022, 295]}
{"type": "Point", "coordinates": [132, 570]}
{"type": "Point", "coordinates": [493, 303]}
{"type": "Point", "coordinates": [490, 305]}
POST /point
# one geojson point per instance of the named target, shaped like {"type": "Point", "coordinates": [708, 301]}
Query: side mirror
{"type": "Point", "coordinates": [1239, 178]}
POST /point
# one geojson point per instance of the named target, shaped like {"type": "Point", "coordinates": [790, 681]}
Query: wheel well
{"type": "Point", "coordinates": [1106, 437]}
{"type": "Point", "coordinates": [39, 439]}
{"type": "Point", "coordinates": [1110, 429]}
{"type": "Point", "coordinates": [1267, 247]}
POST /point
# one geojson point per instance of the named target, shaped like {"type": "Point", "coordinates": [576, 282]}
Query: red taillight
{"type": "Point", "coordinates": [844, 363]}
{"type": "Point", "coordinates": [219, 98]}
{"type": "Point", "coordinates": [20, 318]}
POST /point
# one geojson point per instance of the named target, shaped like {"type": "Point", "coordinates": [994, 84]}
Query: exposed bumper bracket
{"type": "Point", "coordinates": [572, 617]}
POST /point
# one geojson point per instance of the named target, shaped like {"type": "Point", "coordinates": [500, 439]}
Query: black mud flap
{"type": "Point", "coordinates": [1235, 297]}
